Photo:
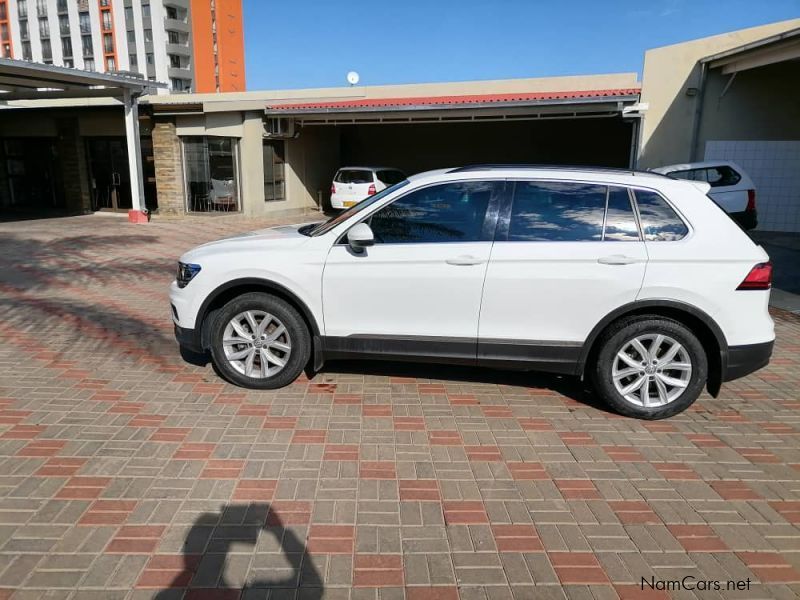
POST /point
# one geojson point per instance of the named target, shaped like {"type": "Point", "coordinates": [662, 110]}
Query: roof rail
{"type": "Point", "coordinates": [494, 167]}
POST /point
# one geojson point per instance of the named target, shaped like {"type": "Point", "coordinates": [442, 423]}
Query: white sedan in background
{"type": "Point", "coordinates": [731, 188]}
{"type": "Point", "coordinates": [351, 185]}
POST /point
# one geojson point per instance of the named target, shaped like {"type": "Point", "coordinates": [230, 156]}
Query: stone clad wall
{"type": "Point", "coordinates": [169, 168]}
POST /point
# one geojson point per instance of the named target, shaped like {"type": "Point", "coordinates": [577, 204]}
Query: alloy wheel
{"type": "Point", "coordinates": [256, 344]}
{"type": "Point", "coordinates": [651, 370]}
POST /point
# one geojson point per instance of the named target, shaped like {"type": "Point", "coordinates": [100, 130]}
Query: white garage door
{"type": "Point", "coordinates": [775, 170]}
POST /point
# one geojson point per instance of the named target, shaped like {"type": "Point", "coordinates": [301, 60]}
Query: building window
{"type": "Point", "coordinates": [211, 174]}
{"type": "Point", "coordinates": [106, 15]}
{"type": "Point", "coordinates": [66, 47]}
{"type": "Point", "coordinates": [47, 50]}
{"type": "Point", "coordinates": [85, 22]}
{"type": "Point", "coordinates": [145, 10]}
{"type": "Point", "coordinates": [172, 12]}
{"type": "Point", "coordinates": [22, 9]}
{"type": "Point", "coordinates": [3, 12]}
{"type": "Point", "coordinates": [63, 24]}
{"type": "Point", "coordinates": [41, 8]}
{"type": "Point", "coordinates": [86, 43]}
{"type": "Point", "coordinates": [44, 28]}
{"type": "Point", "coordinates": [23, 30]}
{"type": "Point", "coordinates": [68, 62]}
{"type": "Point", "coordinates": [61, 5]}
{"type": "Point", "coordinates": [175, 61]}
{"type": "Point", "coordinates": [129, 15]}
{"type": "Point", "coordinates": [108, 43]}
{"type": "Point", "coordinates": [27, 54]}
{"type": "Point", "coordinates": [180, 85]}
{"type": "Point", "coordinates": [274, 160]}
{"type": "Point", "coordinates": [88, 64]}
{"type": "Point", "coordinates": [4, 31]}
{"type": "Point", "coordinates": [111, 63]}
{"type": "Point", "coordinates": [132, 37]}
{"type": "Point", "coordinates": [149, 58]}
{"type": "Point", "coordinates": [133, 61]}
{"type": "Point", "coordinates": [148, 35]}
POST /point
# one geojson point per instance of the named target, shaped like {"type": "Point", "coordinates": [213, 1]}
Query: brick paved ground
{"type": "Point", "coordinates": [125, 473]}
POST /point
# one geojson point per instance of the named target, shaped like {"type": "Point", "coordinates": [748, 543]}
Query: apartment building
{"type": "Point", "coordinates": [193, 45]}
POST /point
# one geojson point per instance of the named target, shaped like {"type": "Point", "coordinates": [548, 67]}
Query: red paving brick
{"type": "Point", "coordinates": [123, 467]}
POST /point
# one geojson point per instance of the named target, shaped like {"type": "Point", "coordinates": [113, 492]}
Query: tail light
{"type": "Point", "coordinates": [371, 191]}
{"type": "Point", "coordinates": [333, 188]}
{"type": "Point", "coordinates": [759, 278]}
{"type": "Point", "coordinates": [751, 200]}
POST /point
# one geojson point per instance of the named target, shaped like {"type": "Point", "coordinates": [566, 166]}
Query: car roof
{"type": "Point", "coordinates": [556, 172]}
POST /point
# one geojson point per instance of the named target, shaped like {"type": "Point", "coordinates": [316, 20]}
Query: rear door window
{"type": "Point", "coordinates": [557, 212]}
{"type": "Point", "coordinates": [353, 176]}
{"type": "Point", "coordinates": [719, 176]}
{"type": "Point", "coordinates": [660, 223]}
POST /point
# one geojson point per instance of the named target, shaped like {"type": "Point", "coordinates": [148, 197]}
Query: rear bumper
{"type": "Point", "coordinates": [188, 338]}
{"type": "Point", "coordinates": [743, 360]}
{"type": "Point", "coordinates": [748, 219]}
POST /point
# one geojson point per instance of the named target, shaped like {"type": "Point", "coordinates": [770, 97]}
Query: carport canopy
{"type": "Point", "coordinates": [22, 80]}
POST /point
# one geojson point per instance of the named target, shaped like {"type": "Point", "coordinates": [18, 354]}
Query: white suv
{"type": "Point", "coordinates": [731, 187]}
{"type": "Point", "coordinates": [636, 281]}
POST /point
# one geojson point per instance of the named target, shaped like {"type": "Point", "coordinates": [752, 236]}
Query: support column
{"type": "Point", "coordinates": [137, 214]}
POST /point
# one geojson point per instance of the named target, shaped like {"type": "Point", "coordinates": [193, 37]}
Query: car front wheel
{"type": "Point", "coordinates": [650, 367]}
{"type": "Point", "coordinates": [259, 341]}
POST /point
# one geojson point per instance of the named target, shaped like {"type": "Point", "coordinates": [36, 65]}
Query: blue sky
{"type": "Point", "coordinates": [314, 43]}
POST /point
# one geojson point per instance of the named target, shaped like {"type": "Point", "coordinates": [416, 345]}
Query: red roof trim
{"type": "Point", "coordinates": [463, 99]}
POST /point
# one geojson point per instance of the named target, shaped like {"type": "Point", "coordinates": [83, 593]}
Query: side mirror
{"type": "Point", "coordinates": [360, 236]}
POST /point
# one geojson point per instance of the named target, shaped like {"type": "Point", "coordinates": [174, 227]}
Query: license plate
{"type": "Point", "coordinates": [348, 204]}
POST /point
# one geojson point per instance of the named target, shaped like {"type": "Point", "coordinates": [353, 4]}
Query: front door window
{"type": "Point", "coordinates": [454, 212]}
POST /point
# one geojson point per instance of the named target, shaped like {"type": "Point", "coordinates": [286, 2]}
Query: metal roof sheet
{"type": "Point", "coordinates": [465, 99]}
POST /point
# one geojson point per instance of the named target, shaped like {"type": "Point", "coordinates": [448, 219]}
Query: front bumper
{"type": "Point", "coordinates": [743, 360]}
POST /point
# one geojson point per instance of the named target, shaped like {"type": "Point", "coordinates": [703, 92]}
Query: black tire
{"type": "Point", "coordinates": [617, 336]}
{"type": "Point", "coordinates": [295, 326]}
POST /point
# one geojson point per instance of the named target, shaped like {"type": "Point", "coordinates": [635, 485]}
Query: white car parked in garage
{"type": "Point", "coordinates": [636, 281]}
{"type": "Point", "coordinates": [731, 187]}
{"type": "Point", "coordinates": [351, 185]}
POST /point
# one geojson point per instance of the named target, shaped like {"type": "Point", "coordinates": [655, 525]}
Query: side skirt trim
{"type": "Point", "coordinates": [533, 355]}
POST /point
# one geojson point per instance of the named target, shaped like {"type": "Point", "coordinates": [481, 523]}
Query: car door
{"type": "Point", "coordinates": [417, 291]}
{"type": "Point", "coordinates": [566, 254]}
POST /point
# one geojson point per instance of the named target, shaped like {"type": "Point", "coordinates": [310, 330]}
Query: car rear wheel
{"type": "Point", "coordinates": [650, 367]}
{"type": "Point", "coordinates": [259, 341]}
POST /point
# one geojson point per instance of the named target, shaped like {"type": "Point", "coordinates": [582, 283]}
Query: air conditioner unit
{"type": "Point", "coordinates": [279, 128]}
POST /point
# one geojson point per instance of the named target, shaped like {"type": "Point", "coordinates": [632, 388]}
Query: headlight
{"type": "Point", "coordinates": [186, 272]}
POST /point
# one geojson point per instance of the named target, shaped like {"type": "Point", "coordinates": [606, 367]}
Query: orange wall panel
{"type": "Point", "coordinates": [230, 46]}
{"type": "Point", "coordinates": [230, 35]}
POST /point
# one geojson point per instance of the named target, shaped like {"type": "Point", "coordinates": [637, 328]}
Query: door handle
{"type": "Point", "coordinates": [617, 259]}
{"type": "Point", "coordinates": [465, 260]}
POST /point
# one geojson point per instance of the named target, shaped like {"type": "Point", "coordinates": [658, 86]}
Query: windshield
{"type": "Point", "coordinates": [325, 227]}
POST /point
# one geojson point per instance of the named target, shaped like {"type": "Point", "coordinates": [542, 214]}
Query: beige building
{"type": "Point", "coordinates": [285, 146]}
{"type": "Point", "coordinates": [735, 97]}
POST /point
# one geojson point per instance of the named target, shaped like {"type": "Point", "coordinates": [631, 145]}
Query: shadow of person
{"type": "Point", "coordinates": [213, 558]}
